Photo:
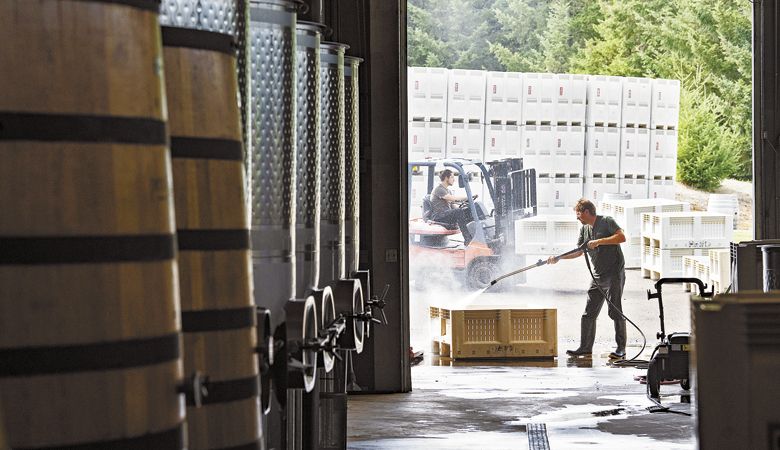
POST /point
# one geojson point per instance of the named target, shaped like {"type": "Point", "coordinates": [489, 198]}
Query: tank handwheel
{"type": "Point", "coordinates": [685, 384]}
{"type": "Point", "coordinates": [481, 272]}
{"type": "Point", "coordinates": [654, 379]}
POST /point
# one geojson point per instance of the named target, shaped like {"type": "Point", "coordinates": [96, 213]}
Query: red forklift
{"type": "Point", "coordinates": [511, 195]}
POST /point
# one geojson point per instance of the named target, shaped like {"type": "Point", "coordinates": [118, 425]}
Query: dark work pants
{"type": "Point", "coordinates": [460, 216]}
{"type": "Point", "coordinates": [613, 286]}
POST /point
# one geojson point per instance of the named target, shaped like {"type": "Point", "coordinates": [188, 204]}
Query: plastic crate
{"type": "Point", "coordinates": [659, 263]}
{"type": "Point", "coordinates": [504, 96]}
{"type": "Point", "coordinates": [688, 229]}
{"type": "Point", "coordinates": [568, 149]}
{"type": "Point", "coordinates": [571, 95]}
{"type": "Point", "coordinates": [663, 153]}
{"type": "Point", "coordinates": [602, 152]}
{"type": "Point", "coordinates": [537, 148]}
{"type": "Point", "coordinates": [427, 140]}
{"type": "Point", "coordinates": [502, 141]}
{"type": "Point", "coordinates": [636, 102]}
{"type": "Point", "coordinates": [660, 187]}
{"type": "Point", "coordinates": [599, 184]}
{"type": "Point", "coordinates": [632, 252]}
{"type": "Point", "coordinates": [465, 140]}
{"type": "Point", "coordinates": [635, 186]}
{"type": "Point", "coordinates": [557, 193]}
{"type": "Point", "coordinates": [695, 267]}
{"type": "Point", "coordinates": [605, 101]}
{"type": "Point", "coordinates": [634, 152]}
{"type": "Point", "coordinates": [539, 93]}
{"type": "Point", "coordinates": [665, 104]}
{"type": "Point", "coordinates": [466, 95]}
{"type": "Point", "coordinates": [474, 332]}
{"type": "Point", "coordinates": [720, 269]}
{"type": "Point", "coordinates": [628, 213]}
{"type": "Point", "coordinates": [546, 235]}
{"type": "Point", "coordinates": [427, 91]}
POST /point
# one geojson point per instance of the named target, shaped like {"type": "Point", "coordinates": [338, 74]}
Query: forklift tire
{"type": "Point", "coordinates": [685, 384]}
{"type": "Point", "coordinates": [481, 272]}
{"type": "Point", "coordinates": [654, 379]}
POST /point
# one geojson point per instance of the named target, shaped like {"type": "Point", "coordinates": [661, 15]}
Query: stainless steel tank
{"type": "Point", "coordinates": [307, 221]}
{"type": "Point", "coordinates": [332, 264]}
{"type": "Point", "coordinates": [352, 165]}
{"type": "Point", "coordinates": [272, 80]}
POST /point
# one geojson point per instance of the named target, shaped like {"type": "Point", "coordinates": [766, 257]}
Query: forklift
{"type": "Point", "coordinates": [511, 194]}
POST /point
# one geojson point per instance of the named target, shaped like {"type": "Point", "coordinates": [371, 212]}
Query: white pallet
{"type": "Point", "coordinates": [427, 92]}
{"type": "Point", "coordinates": [466, 95]}
{"type": "Point", "coordinates": [502, 141]}
{"type": "Point", "coordinates": [635, 152]}
{"type": "Point", "coordinates": [537, 146]}
{"type": "Point", "coordinates": [691, 229]}
{"type": "Point", "coordinates": [663, 153]}
{"type": "Point", "coordinates": [427, 140]}
{"type": "Point", "coordinates": [504, 97]}
{"type": "Point", "coordinates": [465, 140]}
{"type": "Point", "coordinates": [605, 101]}
{"type": "Point", "coordinates": [546, 234]}
{"type": "Point", "coordinates": [601, 155]}
{"type": "Point", "coordinates": [660, 187]}
{"type": "Point", "coordinates": [632, 252]}
{"type": "Point", "coordinates": [636, 102]}
{"type": "Point", "coordinates": [665, 104]}
{"type": "Point", "coordinates": [634, 185]}
{"type": "Point", "coordinates": [664, 263]}
{"type": "Point", "coordinates": [571, 96]}
{"type": "Point", "coordinates": [596, 186]}
{"type": "Point", "coordinates": [568, 149]}
{"type": "Point", "coordinates": [628, 213]}
{"type": "Point", "coordinates": [720, 268]}
{"type": "Point", "coordinates": [539, 93]}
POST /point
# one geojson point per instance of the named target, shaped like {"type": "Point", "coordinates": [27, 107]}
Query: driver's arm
{"type": "Point", "coordinates": [455, 198]}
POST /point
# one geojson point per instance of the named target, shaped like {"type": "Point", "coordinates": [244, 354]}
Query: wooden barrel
{"type": "Point", "coordinates": [89, 326]}
{"type": "Point", "coordinates": [218, 312]}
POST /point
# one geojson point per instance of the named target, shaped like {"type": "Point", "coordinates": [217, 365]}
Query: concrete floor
{"type": "Point", "coordinates": [583, 402]}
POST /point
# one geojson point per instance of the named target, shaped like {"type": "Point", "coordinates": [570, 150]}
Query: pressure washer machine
{"type": "Point", "coordinates": [670, 358]}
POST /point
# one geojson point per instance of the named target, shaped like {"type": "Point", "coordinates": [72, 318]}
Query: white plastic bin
{"type": "Point", "coordinates": [663, 263]}
{"type": "Point", "coordinates": [502, 141]}
{"type": "Point", "coordinates": [720, 269]}
{"type": "Point", "coordinates": [568, 149]}
{"type": "Point", "coordinates": [634, 185]}
{"type": "Point", "coordinates": [689, 229]}
{"type": "Point", "coordinates": [634, 152]}
{"type": "Point", "coordinates": [570, 99]}
{"type": "Point", "coordinates": [636, 102]}
{"type": "Point", "coordinates": [632, 252]}
{"type": "Point", "coordinates": [546, 234]}
{"type": "Point", "coordinates": [539, 93]}
{"type": "Point", "coordinates": [665, 104]}
{"type": "Point", "coordinates": [661, 187]}
{"type": "Point", "coordinates": [466, 96]}
{"type": "Point", "coordinates": [628, 213]}
{"type": "Point", "coordinates": [663, 153]}
{"type": "Point", "coordinates": [504, 96]}
{"type": "Point", "coordinates": [724, 204]}
{"type": "Point", "coordinates": [427, 140]}
{"type": "Point", "coordinates": [604, 107]}
{"type": "Point", "coordinates": [603, 145]}
{"type": "Point", "coordinates": [466, 140]}
{"type": "Point", "coordinates": [537, 148]}
{"type": "Point", "coordinates": [427, 93]}
{"type": "Point", "coordinates": [596, 186]}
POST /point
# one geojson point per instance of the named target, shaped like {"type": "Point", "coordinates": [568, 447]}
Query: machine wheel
{"type": "Point", "coordinates": [654, 379]}
{"type": "Point", "coordinates": [685, 384]}
{"type": "Point", "coordinates": [481, 272]}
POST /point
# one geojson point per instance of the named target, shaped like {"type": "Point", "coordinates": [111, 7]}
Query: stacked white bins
{"type": "Point", "coordinates": [503, 115]}
{"type": "Point", "coordinates": [720, 269]}
{"type": "Point", "coordinates": [605, 95]}
{"type": "Point", "coordinates": [664, 117]}
{"type": "Point", "coordinates": [570, 99]}
{"type": "Point", "coordinates": [539, 94]}
{"type": "Point", "coordinates": [696, 267]}
{"type": "Point", "coordinates": [419, 189]}
{"type": "Point", "coordinates": [466, 114]}
{"type": "Point", "coordinates": [667, 237]}
{"type": "Point", "coordinates": [546, 234]}
{"type": "Point", "coordinates": [427, 99]}
{"type": "Point", "coordinates": [628, 215]}
{"type": "Point", "coordinates": [634, 161]}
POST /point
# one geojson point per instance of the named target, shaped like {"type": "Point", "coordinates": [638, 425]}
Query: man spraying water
{"type": "Point", "coordinates": [602, 236]}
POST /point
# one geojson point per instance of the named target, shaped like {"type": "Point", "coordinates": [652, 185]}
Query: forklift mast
{"type": "Point", "coordinates": [514, 196]}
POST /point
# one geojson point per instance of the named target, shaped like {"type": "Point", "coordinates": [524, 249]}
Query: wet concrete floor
{"type": "Point", "coordinates": [583, 402]}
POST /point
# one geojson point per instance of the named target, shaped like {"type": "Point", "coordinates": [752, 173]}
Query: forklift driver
{"type": "Point", "coordinates": [445, 208]}
{"type": "Point", "coordinates": [603, 237]}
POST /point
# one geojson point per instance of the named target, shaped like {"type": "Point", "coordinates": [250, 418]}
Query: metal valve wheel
{"type": "Point", "coordinates": [295, 365]}
{"type": "Point", "coordinates": [348, 296]}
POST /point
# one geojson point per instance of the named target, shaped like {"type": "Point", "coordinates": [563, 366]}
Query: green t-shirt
{"type": "Point", "coordinates": [606, 259]}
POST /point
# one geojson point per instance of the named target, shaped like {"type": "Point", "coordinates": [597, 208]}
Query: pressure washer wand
{"type": "Point", "coordinates": [539, 263]}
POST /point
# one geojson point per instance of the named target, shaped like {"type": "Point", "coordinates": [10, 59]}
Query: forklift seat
{"type": "Point", "coordinates": [428, 214]}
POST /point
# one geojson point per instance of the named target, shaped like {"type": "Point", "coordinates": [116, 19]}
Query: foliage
{"type": "Point", "coordinates": [705, 44]}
